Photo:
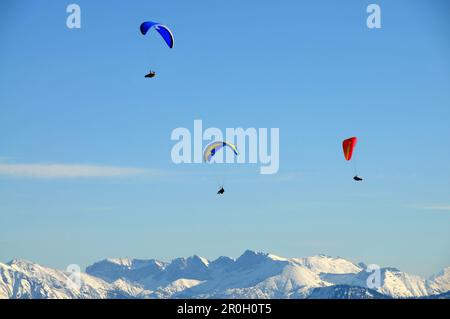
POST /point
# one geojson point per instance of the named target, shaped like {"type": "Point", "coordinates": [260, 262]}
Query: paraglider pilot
{"type": "Point", "coordinates": [221, 191]}
{"type": "Point", "coordinates": [151, 74]}
{"type": "Point", "coordinates": [357, 178]}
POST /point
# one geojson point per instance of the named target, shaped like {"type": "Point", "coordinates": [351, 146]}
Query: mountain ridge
{"type": "Point", "coordinates": [251, 275]}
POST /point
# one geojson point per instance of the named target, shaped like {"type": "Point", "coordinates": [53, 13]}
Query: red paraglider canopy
{"type": "Point", "coordinates": [348, 145]}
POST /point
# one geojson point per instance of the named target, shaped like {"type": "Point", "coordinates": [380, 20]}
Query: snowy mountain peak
{"type": "Point", "coordinates": [20, 262]}
{"type": "Point", "coordinates": [440, 282]}
{"type": "Point", "coordinates": [327, 264]}
{"type": "Point", "coordinates": [443, 273]}
{"type": "Point", "coordinates": [193, 267]}
{"type": "Point", "coordinates": [250, 257]}
{"type": "Point", "coordinates": [112, 269]}
{"type": "Point", "coordinates": [120, 261]}
{"type": "Point", "coordinates": [222, 262]}
{"type": "Point", "coordinates": [198, 259]}
{"type": "Point", "coordinates": [191, 261]}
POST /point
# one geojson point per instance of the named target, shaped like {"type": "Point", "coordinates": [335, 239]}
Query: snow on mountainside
{"type": "Point", "coordinates": [134, 270]}
{"type": "Point", "coordinates": [393, 282]}
{"type": "Point", "coordinates": [440, 282]}
{"type": "Point", "coordinates": [252, 275]}
{"type": "Point", "coordinates": [23, 279]}
{"type": "Point", "coordinates": [345, 292]}
{"type": "Point", "coordinates": [326, 264]}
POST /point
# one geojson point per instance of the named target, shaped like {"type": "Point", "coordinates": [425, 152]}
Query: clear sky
{"type": "Point", "coordinates": [310, 68]}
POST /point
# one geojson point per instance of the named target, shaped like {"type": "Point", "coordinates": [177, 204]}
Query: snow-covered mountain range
{"type": "Point", "coordinates": [252, 275]}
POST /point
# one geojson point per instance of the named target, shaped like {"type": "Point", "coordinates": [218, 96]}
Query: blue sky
{"type": "Point", "coordinates": [310, 68]}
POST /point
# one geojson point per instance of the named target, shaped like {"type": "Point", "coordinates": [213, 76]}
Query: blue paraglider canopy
{"type": "Point", "coordinates": [162, 30]}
